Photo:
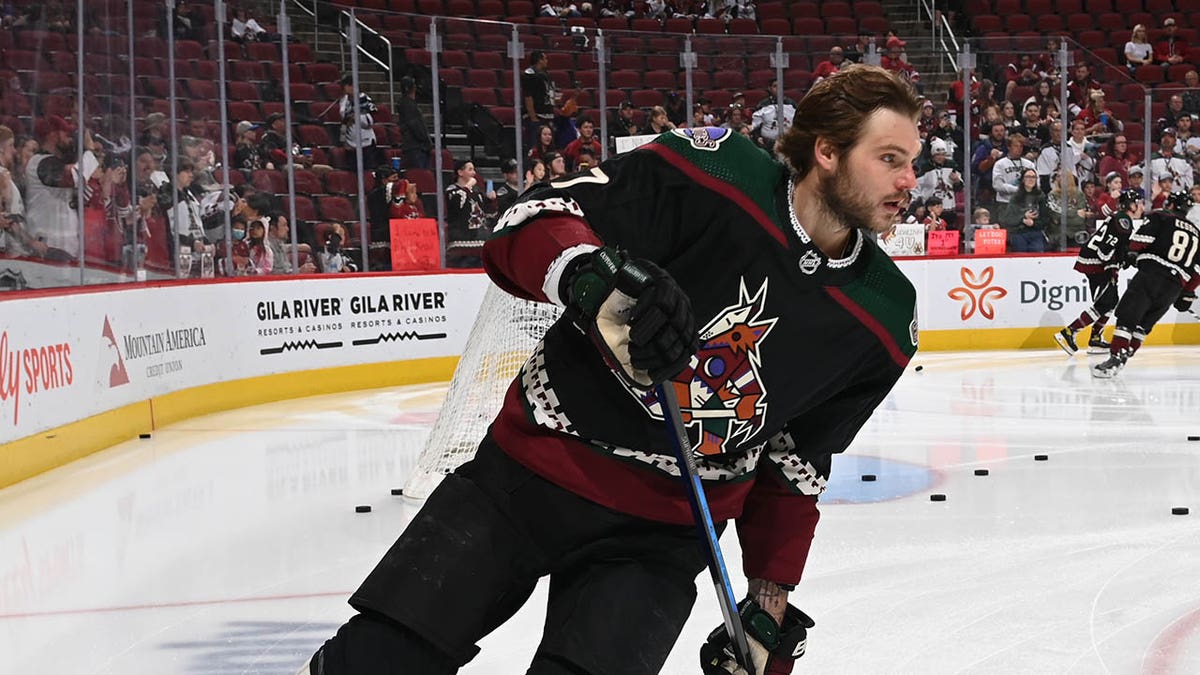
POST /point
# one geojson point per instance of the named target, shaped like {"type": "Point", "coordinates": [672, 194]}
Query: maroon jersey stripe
{"type": "Point", "coordinates": [871, 323]}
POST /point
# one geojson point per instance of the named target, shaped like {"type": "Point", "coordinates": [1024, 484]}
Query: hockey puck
{"type": "Point", "coordinates": [981, 472]}
{"type": "Point", "coordinates": [143, 436]}
{"type": "Point", "coordinates": [868, 478]}
{"type": "Point", "coordinates": [396, 492]}
{"type": "Point", "coordinates": [1194, 438]}
{"type": "Point", "coordinates": [362, 509]}
{"type": "Point", "coordinates": [1179, 511]}
{"type": "Point", "coordinates": [919, 368]}
{"type": "Point", "coordinates": [937, 497]}
{"type": "Point", "coordinates": [1041, 458]}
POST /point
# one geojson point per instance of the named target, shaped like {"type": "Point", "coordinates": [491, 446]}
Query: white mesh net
{"type": "Point", "coordinates": [504, 335]}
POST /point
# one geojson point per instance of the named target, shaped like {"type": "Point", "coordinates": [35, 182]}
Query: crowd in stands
{"type": "Point", "coordinates": [145, 205]}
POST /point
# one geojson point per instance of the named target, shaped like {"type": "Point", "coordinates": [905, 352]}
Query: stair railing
{"type": "Point", "coordinates": [312, 10]}
{"type": "Point", "coordinates": [941, 36]}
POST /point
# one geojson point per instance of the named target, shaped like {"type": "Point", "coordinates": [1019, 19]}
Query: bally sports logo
{"type": "Point", "coordinates": [31, 370]}
{"type": "Point", "coordinates": [977, 293]}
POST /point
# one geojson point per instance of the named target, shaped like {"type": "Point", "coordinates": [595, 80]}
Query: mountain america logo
{"type": "Point", "coordinates": [110, 355]}
{"type": "Point", "coordinates": [704, 138]}
{"type": "Point", "coordinates": [720, 393]}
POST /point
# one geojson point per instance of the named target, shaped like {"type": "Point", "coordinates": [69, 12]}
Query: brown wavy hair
{"type": "Point", "coordinates": [837, 108]}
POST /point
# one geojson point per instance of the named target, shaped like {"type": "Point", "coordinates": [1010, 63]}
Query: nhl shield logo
{"type": "Point", "coordinates": [704, 138]}
{"type": "Point", "coordinates": [810, 262]}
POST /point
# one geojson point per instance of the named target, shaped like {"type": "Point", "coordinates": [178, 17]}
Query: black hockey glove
{"type": "Point", "coordinates": [635, 313]}
{"type": "Point", "coordinates": [773, 648]}
{"type": "Point", "coordinates": [1184, 302]}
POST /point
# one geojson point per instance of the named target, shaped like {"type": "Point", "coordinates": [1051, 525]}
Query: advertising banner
{"type": "Point", "coordinates": [65, 358]}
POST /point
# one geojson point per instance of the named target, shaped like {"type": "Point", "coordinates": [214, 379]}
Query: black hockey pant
{"type": "Point", "coordinates": [1149, 296]}
{"type": "Point", "coordinates": [621, 587]}
{"type": "Point", "coordinates": [1104, 300]}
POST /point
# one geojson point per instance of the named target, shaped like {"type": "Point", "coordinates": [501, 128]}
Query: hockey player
{"type": "Point", "coordinates": [1167, 250]}
{"type": "Point", "coordinates": [1100, 260]}
{"type": "Point", "coordinates": [759, 301]}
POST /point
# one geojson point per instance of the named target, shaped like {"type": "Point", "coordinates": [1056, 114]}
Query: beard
{"type": "Point", "coordinates": [845, 202]}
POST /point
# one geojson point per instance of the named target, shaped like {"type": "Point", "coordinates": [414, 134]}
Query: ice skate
{"type": "Point", "coordinates": [1098, 345]}
{"type": "Point", "coordinates": [1066, 339]}
{"type": "Point", "coordinates": [1111, 366]}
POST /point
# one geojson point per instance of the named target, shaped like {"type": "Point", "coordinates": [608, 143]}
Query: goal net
{"type": "Point", "coordinates": [504, 335]}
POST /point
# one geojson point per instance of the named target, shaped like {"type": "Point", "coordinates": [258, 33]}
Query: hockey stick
{"type": "Point", "coordinates": [704, 525]}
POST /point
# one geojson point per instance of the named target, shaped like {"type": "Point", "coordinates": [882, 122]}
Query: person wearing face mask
{"type": "Point", "coordinates": [261, 258]}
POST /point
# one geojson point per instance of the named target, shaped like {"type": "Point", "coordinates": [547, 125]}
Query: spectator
{"type": "Point", "coordinates": [1033, 128]}
{"type": "Point", "coordinates": [1080, 88]}
{"type": "Point", "coordinates": [556, 166]}
{"type": "Point", "coordinates": [1047, 162]}
{"type": "Point", "coordinates": [987, 152]}
{"type": "Point", "coordinates": [940, 179]}
{"type": "Point", "coordinates": [1187, 143]}
{"type": "Point", "coordinates": [1135, 179]}
{"type": "Point", "coordinates": [188, 23]}
{"type": "Point", "coordinates": [1193, 213]}
{"type": "Point", "coordinates": [927, 122]}
{"type": "Point", "coordinates": [379, 203]}
{"type": "Point", "coordinates": [154, 130]}
{"type": "Point", "coordinates": [1019, 74]}
{"type": "Point", "coordinates": [623, 123]}
{"type": "Point", "coordinates": [245, 28]}
{"type": "Point", "coordinates": [893, 60]}
{"type": "Point", "coordinates": [8, 149]}
{"type": "Point", "coordinates": [772, 97]}
{"type": "Point", "coordinates": [676, 106]}
{"type": "Point", "coordinates": [587, 159]}
{"type": "Point", "coordinates": [507, 193]}
{"type": "Point", "coordinates": [1023, 215]}
{"type": "Point", "coordinates": [707, 117]}
{"type": "Point", "coordinates": [358, 132]}
{"type": "Point", "coordinates": [26, 147]}
{"type": "Point", "coordinates": [51, 212]}
{"type": "Point", "coordinates": [831, 65]}
{"type": "Point", "coordinates": [947, 130]}
{"type": "Point", "coordinates": [660, 122]}
{"type": "Point", "coordinates": [261, 257]}
{"type": "Point", "coordinates": [540, 95]}
{"type": "Point", "coordinates": [247, 156]}
{"type": "Point", "coordinates": [1191, 97]}
{"type": "Point", "coordinates": [1008, 116]}
{"type": "Point", "coordinates": [1082, 165]}
{"type": "Point", "coordinates": [280, 241]}
{"type": "Point", "coordinates": [184, 218]}
{"type": "Point", "coordinates": [1159, 190]}
{"type": "Point", "coordinates": [1167, 163]}
{"type": "Point", "coordinates": [1106, 201]}
{"type": "Point", "coordinates": [416, 144]}
{"type": "Point", "coordinates": [1010, 169]}
{"type": "Point", "coordinates": [1172, 114]}
{"type": "Point", "coordinates": [1171, 49]}
{"type": "Point", "coordinates": [934, 221]}
{"type": "Point", "coordinates": [981, 219]}
{"type": "Point", "coordinates": [535, 174]}
{"type": "Point", "coordinates": [406, 200]}
{"type": "Point", "coordinates": [1138, 51]}
{"type": "Point", "coordinates": [1042, 96]}
{"type": "Point", "coordinates": [1118, 159]}
{"type": "Point", "coordinates": [544, 143]}
{"type": "Point", "coordinates": [1046, 64]}
{"type": "Point", "coordinates": [861, 47]}
{"type": "Point", "coordinates": [587, 139]}
{"type": "Point", "coordinates": [331, 257]}
{"type": "Point", "coordinates": [466, 222]}
{"type": "Point", "coordinates": [1097, 119]}
{"type": "Point", "coordinates": [1080, 213]}
{"type": "Point", "coordinates": [272, 146]}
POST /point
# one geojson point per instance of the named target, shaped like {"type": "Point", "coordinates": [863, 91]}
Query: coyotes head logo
{"type": "Point", "coordinates": [720, 393]}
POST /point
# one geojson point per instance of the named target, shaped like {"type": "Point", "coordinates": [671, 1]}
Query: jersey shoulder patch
{"type": "Point", "coordinates": [728, 157]}
{"type": "Point", "coordinates": [885, 294]}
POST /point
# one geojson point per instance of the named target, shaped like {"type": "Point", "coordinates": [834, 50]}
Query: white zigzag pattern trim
{"type": "Point", "coordinates": [800, 473]}
{"type": "Point", "coordinates": [523, 211]}
{"type": "Point", "coordinates": [547, 409]}
{"type": "Point", "coordinates": [558, 267]}
{"type": "Point", "coordinates": [1168, 264]}
{"type": "Point", "coordinates": [726, 471]}
{"type": "Point", "coordinates": [1141, 237]}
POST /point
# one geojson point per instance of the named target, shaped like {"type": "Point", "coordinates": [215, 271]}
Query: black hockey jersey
{"type": "Point", "coordinates": [796, 350]}
{"type": "Point", "coordinates": [1105, 251]}
{"type": "Point", "coordinates": [1168, 244]}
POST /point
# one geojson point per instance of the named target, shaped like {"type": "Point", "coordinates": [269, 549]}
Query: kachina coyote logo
{"type": "Point", "coordinates": [720, 393]}
{"type": "Point", "coordinates": [704, 138]}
